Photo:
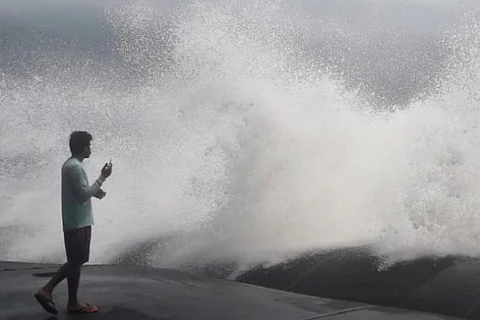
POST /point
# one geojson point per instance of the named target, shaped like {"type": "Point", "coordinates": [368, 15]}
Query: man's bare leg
{"type": "Point", "coordinates": [74, 305]}
{"type": "Point", "coordinates": [59, 276]}
{"type": "Point", "coordinates": [44, 295]}
{"type": "Point", "coordinates": [73, 281]}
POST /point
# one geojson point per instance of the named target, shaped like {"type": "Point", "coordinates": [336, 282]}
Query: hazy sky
{"type": "Point", "coordinates": [388, 43]}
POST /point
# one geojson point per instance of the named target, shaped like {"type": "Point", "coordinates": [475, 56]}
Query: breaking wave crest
{"type": "Point", "coordinates": [234, 140]}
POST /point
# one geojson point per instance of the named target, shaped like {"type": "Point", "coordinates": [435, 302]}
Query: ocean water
{"type": "Point", "coordinates": [244, 131]}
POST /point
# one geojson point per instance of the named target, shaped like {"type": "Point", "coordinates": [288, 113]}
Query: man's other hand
{"type": "Point", "coordinates": [100, 194]}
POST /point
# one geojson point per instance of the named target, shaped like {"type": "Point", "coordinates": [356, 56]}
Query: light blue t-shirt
{"type": "Point", "coordinates": [76, 195]}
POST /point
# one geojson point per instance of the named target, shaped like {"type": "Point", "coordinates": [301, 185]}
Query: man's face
{"type": "Point", "coordinates": [87, 151]}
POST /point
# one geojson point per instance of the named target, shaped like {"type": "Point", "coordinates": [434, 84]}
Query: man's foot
{"type": "Point", "coordinates": [44, 297]}
{"type": "Point", "coordinates": [82, 308]}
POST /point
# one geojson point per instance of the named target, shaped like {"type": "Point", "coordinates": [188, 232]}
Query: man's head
{"type": "Point", "coordinates": [80, 144]}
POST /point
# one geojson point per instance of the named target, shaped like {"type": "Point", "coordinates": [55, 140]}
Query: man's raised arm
{"type": "Point", "coordinates": [80, 185]}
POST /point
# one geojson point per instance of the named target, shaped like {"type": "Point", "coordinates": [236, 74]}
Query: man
{"type": "Point", "coordinates": [77, 220]}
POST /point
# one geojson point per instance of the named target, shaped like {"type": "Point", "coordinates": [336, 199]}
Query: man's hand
{"type": "Point", "coordinates": [107, 169]}
{"type": "Point", "coordinates": [100, 194]}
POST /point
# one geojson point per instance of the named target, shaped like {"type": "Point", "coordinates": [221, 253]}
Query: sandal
{"type": "Point", "coordinates": [46, 303]}
{"type": "Point", "coordinates": [87, 308]}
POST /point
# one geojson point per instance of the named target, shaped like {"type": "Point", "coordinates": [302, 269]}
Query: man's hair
{"type": "Point", "coordinates": [79, 140]}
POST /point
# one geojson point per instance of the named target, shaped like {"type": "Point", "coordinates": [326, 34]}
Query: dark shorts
{"type": "Point", "coordinates": [77, 244]}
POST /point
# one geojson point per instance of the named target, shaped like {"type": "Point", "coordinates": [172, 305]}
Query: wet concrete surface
{"type": "Point", "coordinates": [127, 292]}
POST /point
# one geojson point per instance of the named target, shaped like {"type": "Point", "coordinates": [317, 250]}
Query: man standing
{"type": "Point", "coordinates": [77, 220]}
